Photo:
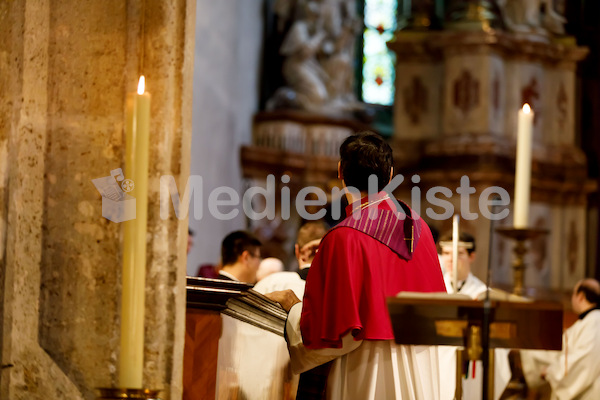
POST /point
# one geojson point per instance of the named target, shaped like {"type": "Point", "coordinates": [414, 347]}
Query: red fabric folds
{"type": "Point", "coordinates": [350, 279]}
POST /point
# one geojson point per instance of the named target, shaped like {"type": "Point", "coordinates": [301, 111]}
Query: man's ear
{"type": "Point", "coordinates": [472, 257]}
{"type": "Point", "coordinates": [244, 256]}
{"type": "Point", "coordinates": [391, 173]}
{"type": "Point", "coordinates": [340, 176]}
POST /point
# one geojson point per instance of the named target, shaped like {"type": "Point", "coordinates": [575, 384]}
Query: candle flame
{"type": "Point", "coordinates": [141, 85]}
{"type": "Point", "coordinates": [526, 108]}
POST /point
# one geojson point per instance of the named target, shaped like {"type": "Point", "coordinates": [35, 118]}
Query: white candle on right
{"type": "Point", "coordinates": [523, 168]}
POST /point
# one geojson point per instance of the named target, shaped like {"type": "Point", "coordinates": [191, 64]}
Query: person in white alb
{"type": "Point", "coordinates": [470, 285]}
{"type": "Point", "coordinates": [307, 242]}
{"type": "Point", "coordinates": [574, 372]}
{"type": "Point", "coordinates": [240, 257]}
{"type": "Point", "coordinates": [379, 250]}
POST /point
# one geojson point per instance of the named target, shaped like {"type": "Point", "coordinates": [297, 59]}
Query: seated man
{"type": "Point", "coordinates": [240, 257]}
{"type": "Point", "coordinates": [473, 287]}
{"type": "Point", "coordinates": [307, 242]}
{"type": "Point", "coordinates": [574, 372]}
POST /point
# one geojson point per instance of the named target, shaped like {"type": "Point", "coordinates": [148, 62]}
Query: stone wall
{"type": "Point", "coordinates": [65, 70]}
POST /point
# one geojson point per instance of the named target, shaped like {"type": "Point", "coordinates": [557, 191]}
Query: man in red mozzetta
{"type": "Point", "coordinates": [380, 249]}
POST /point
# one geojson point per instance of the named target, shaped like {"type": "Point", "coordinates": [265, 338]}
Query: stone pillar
{"type": "Point", "coordinates": [65, 70]}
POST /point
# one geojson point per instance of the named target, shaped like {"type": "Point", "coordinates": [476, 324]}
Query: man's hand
{"type": "Point", "coordinates": [287, 298]}
{"type": "Point", "coordinates": [309, 250]}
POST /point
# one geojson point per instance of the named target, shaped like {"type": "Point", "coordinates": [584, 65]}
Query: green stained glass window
{"type": "Point", "coordinates": [378, 61]}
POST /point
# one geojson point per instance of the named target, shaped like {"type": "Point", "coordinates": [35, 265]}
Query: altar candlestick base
{"type": "Point", "coordinates": [124, 393]}
{"type": "Point", "coordinates": [520, 235]}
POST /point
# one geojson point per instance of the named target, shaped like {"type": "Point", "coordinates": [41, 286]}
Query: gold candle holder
{"type": "Point", "coordinates": [124, 393]}
{"type": "Point", "coordinates": [520, 235]}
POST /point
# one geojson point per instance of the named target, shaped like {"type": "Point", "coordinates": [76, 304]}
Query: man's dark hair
{"type": "Point", "coordinates": [462, 237]}
{"type": "Point", "coordinates": [235, 244]}
{"type": "Point", "coordinates": [590, 292]}
{"type": "Point", "coordinates": [365, 154]}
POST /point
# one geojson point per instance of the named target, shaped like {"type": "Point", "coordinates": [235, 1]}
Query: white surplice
{"type": "Point", "coordinates": [281, 281]}
{"type": "Point", "coordinates": [471, 387]}
{"type": "Point", "coordinates": [252, 363]}
{"type": "Point", "coordinates": [262, 357]}
{"type": "Point", "coordinates": [368, 369]}
{"type": "Point", "coordinates": [575, 374]}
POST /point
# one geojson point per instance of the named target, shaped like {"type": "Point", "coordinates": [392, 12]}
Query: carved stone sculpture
{"type": "Point", "coordinates": [339, 53]}
{"type": "Point", "coordinates": [538, 16]}
{"type": "Point", "coordinates": [301, 68]}
{"type": "Point", "coordinates": [319, 56]}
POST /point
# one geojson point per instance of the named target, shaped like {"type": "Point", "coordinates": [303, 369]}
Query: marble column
{"type": "Point", "coordinates": [65, 70]}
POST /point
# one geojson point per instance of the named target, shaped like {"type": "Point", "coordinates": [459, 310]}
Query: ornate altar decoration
{"type": "Point", "coordinates": [318, 56]}
{"type": "Point", "coordinates": [462, 74]}
{"type": "Point", "coordinates": [308, 112]}
{"type": "Point", "coordinates": [458, 92]}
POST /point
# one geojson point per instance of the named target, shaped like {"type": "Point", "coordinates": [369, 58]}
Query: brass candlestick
{"type": "Point", "coordinates": [123, 393]}
{"type": "Point", "coordinates": [520, 235]}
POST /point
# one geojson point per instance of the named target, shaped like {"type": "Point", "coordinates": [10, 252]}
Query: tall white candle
{"type": "Point", "coordinates": [523, 168]}
{"type": "Point", "coordinates": [455, 235]}
{"type": "Point", "coordinates": [131, 358]}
